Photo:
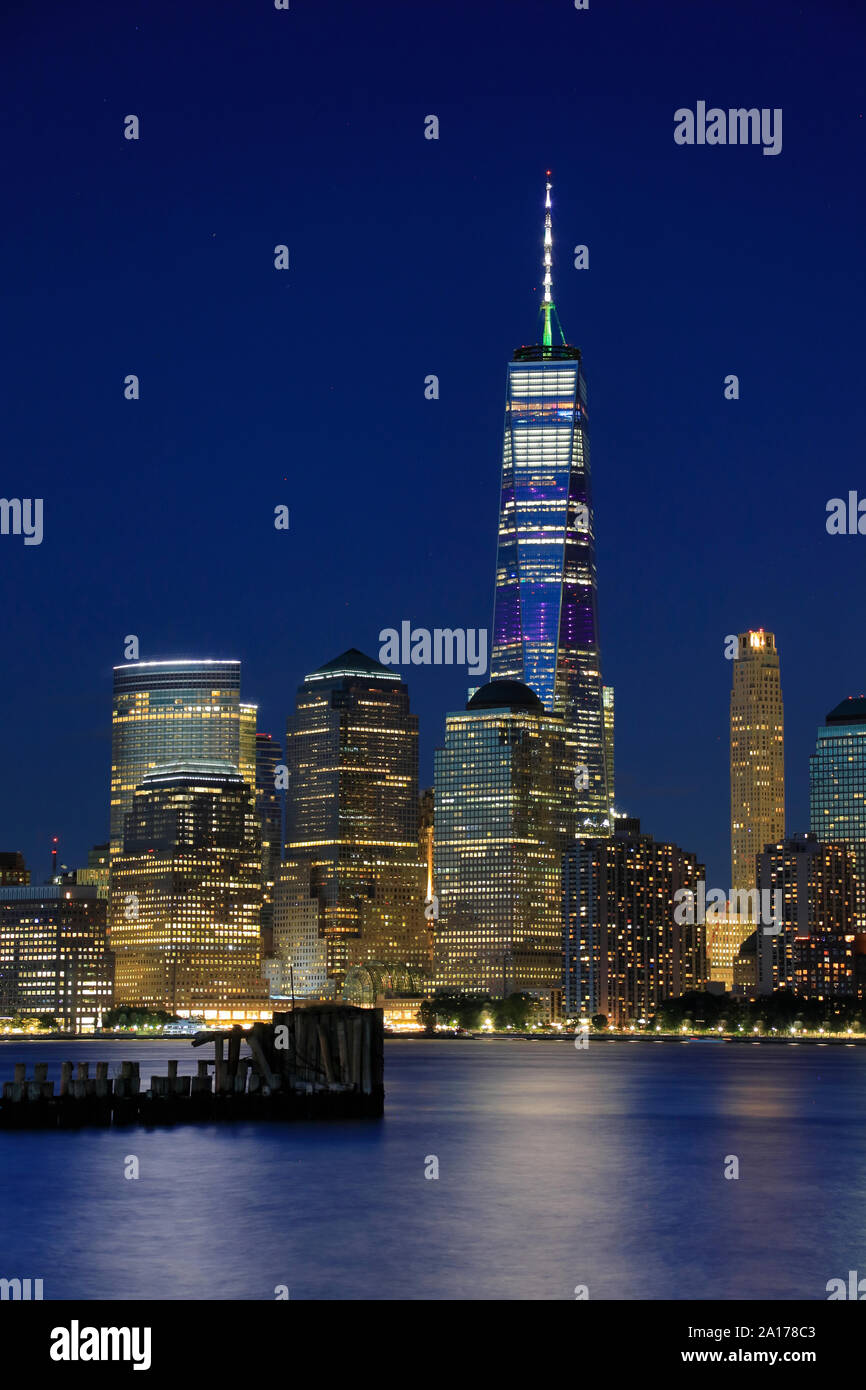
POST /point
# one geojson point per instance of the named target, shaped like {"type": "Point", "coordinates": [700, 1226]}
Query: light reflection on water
{"type": "Point", "coordinates": [557, 1167]}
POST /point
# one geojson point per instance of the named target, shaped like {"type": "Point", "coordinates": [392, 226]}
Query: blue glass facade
{"type": "Point", "coordinates": [545, 625]}
{"type": "Point", "coordinates": [504, 814]}
{"type": "Point", "coordinates": [837, 786]}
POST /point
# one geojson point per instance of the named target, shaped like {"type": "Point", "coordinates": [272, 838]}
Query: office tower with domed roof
{"type": "Point", "coordinates": [504, 813]}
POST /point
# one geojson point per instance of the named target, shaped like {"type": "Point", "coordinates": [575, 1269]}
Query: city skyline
{"type": "Point", "coordinates": [38, 859]}
{"type": "Point", "coordinates": [432, 538]}
{"type": "Point", "coordinates": [667, 308]}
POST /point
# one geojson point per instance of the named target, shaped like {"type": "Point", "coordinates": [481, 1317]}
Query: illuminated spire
{"type": "Point", "coordinates": [547, 301]}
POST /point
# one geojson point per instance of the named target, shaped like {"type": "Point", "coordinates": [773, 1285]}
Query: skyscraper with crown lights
{"type": "Point", "coordinates": [545, 625]}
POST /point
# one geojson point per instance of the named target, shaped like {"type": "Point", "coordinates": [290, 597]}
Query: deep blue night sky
{"type": "Point", "coordinates": [411, 257]}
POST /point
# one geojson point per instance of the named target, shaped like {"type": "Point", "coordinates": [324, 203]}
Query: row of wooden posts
{"type": "Point", "coordinates": [317, 1063]}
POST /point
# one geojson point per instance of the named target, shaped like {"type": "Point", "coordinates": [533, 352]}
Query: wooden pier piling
{"type": "Point", "coordinates": [321, 1062]}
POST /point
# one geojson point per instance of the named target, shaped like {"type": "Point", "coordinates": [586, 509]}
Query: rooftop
{"type": "Point", "coordinates": [353, 663]}
{"type": "Point", "coordinates": [850, 711]}
{"type": "Point", "coordinates": [511, 695]}
{"type": "Point", "coordinates": [192, 769]}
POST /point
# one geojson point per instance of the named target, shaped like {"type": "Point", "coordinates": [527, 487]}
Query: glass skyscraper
{"type": "Point", "coordinates": [837, 778]}
{"type": "Point", "coordinates": [247, 754]}
{"type": "Point", "coordinates": [545, 624]}
{"type": "Point", "coordinates": [169, 710]}
{"type": "Point", "coordinates": [504, 814]}
{"type": "Point", "coordinates": [269, 807]}
{"type": "Point", "coordinates": [352, 813]}
{"type": "Point", "coordinates": [185, 907]}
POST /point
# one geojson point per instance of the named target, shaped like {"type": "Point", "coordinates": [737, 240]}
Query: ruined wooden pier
{"type": "Point", "coordinates": [309, 1064]}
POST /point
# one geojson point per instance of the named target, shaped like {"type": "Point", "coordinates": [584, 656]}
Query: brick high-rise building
{"type": "Point", "coordinates": [54, 954]}
{"type": "Point", "coordinates": [13, 870]}
{"type": "Point", "coordinates": [813, 952]}
{"type": "Point", "coordinates": [625, 951]}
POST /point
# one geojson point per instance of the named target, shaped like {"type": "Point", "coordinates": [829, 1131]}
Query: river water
{"type": "Point", "coordinates": [557, 1167]}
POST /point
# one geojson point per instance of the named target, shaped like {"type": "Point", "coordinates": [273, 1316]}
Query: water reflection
{"type": "Point", "coordinates": [557, 1166]}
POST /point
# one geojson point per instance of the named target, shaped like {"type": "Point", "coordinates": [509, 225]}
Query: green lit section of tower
{"type": "Point", "coordinates": [547, 302]}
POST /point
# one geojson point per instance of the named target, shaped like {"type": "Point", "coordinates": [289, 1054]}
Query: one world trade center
{"type": "Point", "coordinates": [545, 624]}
